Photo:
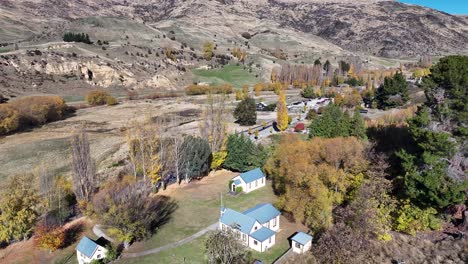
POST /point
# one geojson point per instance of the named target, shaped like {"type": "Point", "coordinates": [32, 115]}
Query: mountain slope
{"type": "Point", "coordinates": [383, 28]}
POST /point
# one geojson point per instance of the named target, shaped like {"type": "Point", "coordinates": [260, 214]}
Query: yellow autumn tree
{"type": "Point", "coordinates": [312, 177]}
{"type": "Point", "coordinates": [282, 112]}
{"type": "Point", "coordinates": [208, 47]}
{"type": "Point", "coordinates": [258, 88]}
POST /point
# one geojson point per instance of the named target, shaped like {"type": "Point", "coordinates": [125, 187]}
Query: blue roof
{"type": "Point", "coordinates": [302, 238]}
{"type": "Point", "coordinates": [235, 219]}
{"type": "Point", "coordinates": [252, 175]}
{"type": "Point", "coordinates": [262, 234]}
{"type": "Point", "coordinates": [237, 182]}
{"type": "Point", "coordinates": [263, 212]}
{"type": "Point", "coordinates": [87, 246]}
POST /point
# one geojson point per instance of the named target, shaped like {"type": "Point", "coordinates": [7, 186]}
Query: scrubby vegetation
{"type": "Point", "coordinates": [31, 111]}
{"type": "Point", "coordinates": [100, 97]}
{"type": "Point", "coordinates": [206, 89]}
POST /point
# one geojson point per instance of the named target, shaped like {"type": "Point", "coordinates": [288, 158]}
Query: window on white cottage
{"type": "Point", "coordinates": [269, 241]}
{"type": "Point", "coordinates": [298, 245]}
{"type": "Point", "coordinates": [263, 179]}
{"type": "Point", "coordinates": [250, 185]}
{"type": "Point", "coordinates": [256, 183]}
{"type": "Point", "coordinates": [99, 256]}
{"type": "Point", "coordinates": [244, 237]}
{"type": "Point", "coordinates": [255, 242]}
{"type": "Point", "coordinates": [274, 222]}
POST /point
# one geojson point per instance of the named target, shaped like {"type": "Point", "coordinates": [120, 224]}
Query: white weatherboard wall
{"type": "Point", "coordinates": [262, 246]}
{"type": "Point", "coordinates": [252, 186]}
{"type": "Point", "coordinates": [271, 224]}
{"type": "Point", "coordinates": [299, 248]}
{"type": "Point", "coordinates": [100, 253]}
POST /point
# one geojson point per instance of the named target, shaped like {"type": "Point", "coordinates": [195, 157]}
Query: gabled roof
{"type": "Point", "coordinates": [87, 246]}
{"type": "Point", "coordinates": [237, 182]}
{"type": "Point", "coordinates": [302, 238]}
{"type": "Point", "coordinates": [237, 220]}
{"type": "Point", "coordinates": [262, 234]}
{"type": "Point", "coordinates": [262, 212]}
{"type": "Point", "coordinates": [252, 175]}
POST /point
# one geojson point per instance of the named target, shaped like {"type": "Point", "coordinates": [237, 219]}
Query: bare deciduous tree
{"type": "Point", "coordinates": [84, 167]}
{"type": "Point", "coordinates": [213, 125]}
{"type": "Point", "coordinates": [224, 246]}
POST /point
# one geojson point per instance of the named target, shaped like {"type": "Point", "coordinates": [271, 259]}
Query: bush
{"type": "Point", "coordinates": [110, 100]}
{"type": "Point", "coordinates": [49, 238]}
{"type": "Point", "coordinates": [246, 112]}
{"type": "Point", "coordinates": [309, 93]}
{"type": "Point", "coordinates": [31, 111]}
{"type": "Point", "coordinates": [238, 189]}
{"type": "Point", "coordinates": [100, 97]}
{"type": "Point", "coordinates": [412, 219]}
{"type": "Point", "coordinates": [311, 114]}
{"type": "Point", "coordinates": [9, 119]}
{"type": "Point", "coordinates": [204, 89]}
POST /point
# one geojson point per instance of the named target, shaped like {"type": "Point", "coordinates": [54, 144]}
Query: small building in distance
{"type": "Point", "coordinates": [248, 181]}
{"type": "Point", "coordinates": [89, 250]}
{"type": "Point", "coordinates": [301, 242]}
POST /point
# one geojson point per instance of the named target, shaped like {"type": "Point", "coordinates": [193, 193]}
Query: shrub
{"type": "Point", "coordinates": [412, 219]}
{"type": "Point", "coordinates": [204, 89]}
{"type": "Point", "coordinates": [245, 112]}
{"type": "Point", "coordinates": [238, 189]}
{"type": "Point", "coordinates": [31, 111]}
{"type": "Point", "coordinates": [309, 92]}
{"type": "Point", "coordinates": [9, 119]}
{"type": "Point", "coordinates": [49, 238]}
{"type": "Point", "coordinates": [311, 114]}
{"type": "Point", "coordinates": [100, 97]}
{"type": "Point", "coordinates": [110, 100]}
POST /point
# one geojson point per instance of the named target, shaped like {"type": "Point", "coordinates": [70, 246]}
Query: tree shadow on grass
{"type": "Point", "coordinates": [163, 206]}
{"type": "Point", "coordinates": [72, 234]}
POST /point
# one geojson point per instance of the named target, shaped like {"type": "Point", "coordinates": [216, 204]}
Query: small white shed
{"type": "Point", "coordinates": [301, 242]}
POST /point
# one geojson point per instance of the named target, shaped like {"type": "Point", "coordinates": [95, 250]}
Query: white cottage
{"type": "Point", "coordinates": [89, 250]}
{"type": "Point", "coordinates": [301, 242]}
{"type": "Point", "coordinates": [249, 181]}
{"type": "Point", "coordinates": [256, 226]}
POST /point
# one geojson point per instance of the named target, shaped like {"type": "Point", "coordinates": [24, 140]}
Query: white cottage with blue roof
{"type": "Point", "coordinates": [89, 250]}
{"type": "Point", "coordinates": [256, 226]}
{"type": "Point", "coordinates": [301, 242]}
{"type": "Point", "coordinates": [249, 181]}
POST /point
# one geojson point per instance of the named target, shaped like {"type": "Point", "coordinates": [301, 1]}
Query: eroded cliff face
{"type": "Point", "coordinates": [95, 73]}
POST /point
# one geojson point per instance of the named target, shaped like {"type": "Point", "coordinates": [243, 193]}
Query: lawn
{"type": "Point", "coordinates": [235, 75]}
{"type": "Point", "coordinates": [193, 252]}
{"type": "Point", "coordinates": [198, 207]}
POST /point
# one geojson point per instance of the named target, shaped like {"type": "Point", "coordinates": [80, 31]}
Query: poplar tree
{"type": "Point", "coordinates": [282, 112]}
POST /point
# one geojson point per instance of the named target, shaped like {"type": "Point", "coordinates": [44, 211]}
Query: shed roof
{"type": "Point", "coordinates": [263, 212]}
{"type": "Point", "coordinates": [235, 219]}
{"type": "Point", "coordinates": [263, 234]}
{"type": "Point", "coordinates": [252, 175]}
{"type": "Point", "coordinates": [87, 246]}
{"type": "Point", "coordinates": [302, 238]}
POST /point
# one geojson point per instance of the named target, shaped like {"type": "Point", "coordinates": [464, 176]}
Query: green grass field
{"type": "Point", "coordinates": [232, 74]}
{"type": "Point", "coordinates": [196, 210]}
